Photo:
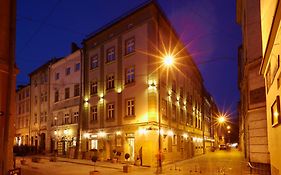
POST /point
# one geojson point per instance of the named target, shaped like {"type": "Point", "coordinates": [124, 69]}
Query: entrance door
{"type": "Point", "coordinates": [131, 142]}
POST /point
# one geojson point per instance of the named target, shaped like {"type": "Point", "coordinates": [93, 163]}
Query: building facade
{"type": "Point", "coordinates": [40, 107]}
{"type": "Point", "coordinates": [65, 80]}
{"type": "Point", "coordinates": [132, 102]}
{"type": "Point", "coordinates": [22, 120]}
{"type": "Point", "coordinates": [252, 112]}
{"type": "Point", "coordinates": [270, 69]}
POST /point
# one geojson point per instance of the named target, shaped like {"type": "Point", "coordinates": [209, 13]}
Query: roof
{"type": "Point", "coordinates": [125, 15]}
{"type": "Point", "coordinates": [46, 65]}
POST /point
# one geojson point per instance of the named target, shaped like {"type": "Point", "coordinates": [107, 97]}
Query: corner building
{"type": "Point", "coordinates": [270, 69]}
{"type": "Point", "coordinates": [127, 88]}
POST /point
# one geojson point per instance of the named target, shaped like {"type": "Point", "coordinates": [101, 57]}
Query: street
{"type": "Point", "coordinates": [218, 162]}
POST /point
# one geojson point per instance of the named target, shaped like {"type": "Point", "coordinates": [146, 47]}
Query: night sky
{"type": "Point", "coordinates": [46, 28]}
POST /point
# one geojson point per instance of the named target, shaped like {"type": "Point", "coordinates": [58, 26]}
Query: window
{"type": "Point", "coordinates": [94, 62]}
{"type": "Point", "coordinates": [27, 93]}
{"type": "Point", "coordinates": [94, 87]}
{"type": "Point", "coordinates": [110, 82]}
{"type": "Point", "coordinates": [164, 108]}
{"type": "Point", "coordinates": [110, 54]}
{"type": "Point", "coordinates": [76, 90]}
{"type": "Point", "coordinates": [181, 116]}
{"type": "Point", "coordinates": [268, 78]}
{"type": "Point", "coordinates": [66, 93]}
{"type": "Point", "coordinates": [35, 118]}
{"type": "Point", "coordinates": [41, 117]}
{"type": "Point", "coordinates": [110, 111]}
{"type": "Point", "coordinates": [41, 98]}
{"type": "Point", "coordinates": [181, 91]}
{"type": "Point", "coordinates": [57, 76]}
{"type": "Point", "coordinates": [56, 96]}
{"type": "Point", "coordinates": [130, 105]}
{"type": "Point", "coordinates": [275, 112]}
{"type": "Point", "coordinates": [66, 119]}
{"type": "Point", "coordinates": [77, 67]}
{"type": "Point", "coordinates": [130, 75]}
{"type": "Point", "coordinates": [130, 45]}
{"type": "Point", "coordinates": [174, 86]}
{"type": "Point", "coordinates": [94, 113]}
{"type": "Point", "coordinates": [175, 140]}
{"type": "Point", "coordinates": [174, 112]}
{"type": "Point", "coordinates": [45, 96]}
{"type": "Point", "coordinates": [67, 71]}
{"type": "Point", "coordinates": [75, 117]}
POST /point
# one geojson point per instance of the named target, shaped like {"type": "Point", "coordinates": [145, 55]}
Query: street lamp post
{"type": "Point", "coordinates": [167, 61]}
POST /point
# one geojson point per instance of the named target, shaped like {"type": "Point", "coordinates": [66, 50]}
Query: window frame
{"type": "Point", "coordinates": [94, 62]}
{"type": "Point", "coordinates": [130, 76]}
{"type": "Point", "coordinates": [76, 91]}
{"type": "Point", "coordinates": [110, 111]}
{"type": "Point", "coordinates": [67, 71]}
{"type": "Point", "coordinates": [93, 87]}
{"type": "Point", "coordinates": [110, 81]}
{"type": "Point", "coordinates": [128, 44]}
{"type": "Point", "coordinates": [130, 108]}
{"type": "Point", "coordinates": [110, 54]}
{"type": "Point", "coordinates": [276, 104]}
{"type": "Point", "coordinates": [66, 93]}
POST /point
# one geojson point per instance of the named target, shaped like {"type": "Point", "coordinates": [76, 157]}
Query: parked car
{"type": "Point", "coordinates": [222, 147]}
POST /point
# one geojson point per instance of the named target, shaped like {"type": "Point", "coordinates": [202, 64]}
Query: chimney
{"type": "Point", "coordinates": [74, 47]}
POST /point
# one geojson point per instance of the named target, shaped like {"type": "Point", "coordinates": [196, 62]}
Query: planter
{"type": "Point", "coordinates": [23, 162]}
{"type": "Point", "coordinates": [36, 159]}
{"type": "Point", "coordinates": [127, 168]}
{"type": "Point", "coordinates": [53, 159]}
{"type": "Point", "coordinates": [114, 160]}
{"type": "Point", "coordinates": [94, 173]}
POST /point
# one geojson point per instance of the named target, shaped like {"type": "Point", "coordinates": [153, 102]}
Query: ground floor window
{"type": "Point", "coordinates": [94, 144]}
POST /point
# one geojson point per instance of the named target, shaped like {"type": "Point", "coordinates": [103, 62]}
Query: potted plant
{"type": "Point", "coordinates": [114, 159]}
{"type": "Point", "coordinates": [95, 159]}
{"type": "Point", "coordinates": [23, 153]}
{"type": "Point", "coordinates": [127, 167]}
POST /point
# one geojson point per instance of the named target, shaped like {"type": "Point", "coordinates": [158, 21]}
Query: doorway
{"type": "Point", "coordinates": [131, 142]}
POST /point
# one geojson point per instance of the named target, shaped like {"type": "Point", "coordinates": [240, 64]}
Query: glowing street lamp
{"type": "Point", "coordinates": [221, 119]}
{"type": "Point", "coordinates": [228, 127]}
{"type": "Point", "coordinates": [168, 60]}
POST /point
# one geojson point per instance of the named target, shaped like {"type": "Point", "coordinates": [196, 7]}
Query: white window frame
{"type": "Point", "coordinates": [130, 107]}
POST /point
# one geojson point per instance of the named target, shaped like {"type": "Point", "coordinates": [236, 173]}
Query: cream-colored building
{"type": "Point", "coordinates": [124, 73]}
{"type": "Point", "coordinates": [270, 69]}
{"type": "Point", "coordinates": [252, 108]}
{"type": "Point", "coordinates": [39, 101]}
{"type": "Point", "coordinates": [22, 119]}
{"type": "Point", "coordinates": [65, 77]}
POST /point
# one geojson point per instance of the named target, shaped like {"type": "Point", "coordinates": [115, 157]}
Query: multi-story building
{"type": "Point", "coordinates": [135, 104]}
{"type": "Point", "coordinates": [65, 77]}
{"type": "Point", "coordinates": [270, 17]}
{"type": "Point", "coordinates": [22, 120]}
{"type": "Point", "coordinates": [252, 112]}
{"type": "Point", "coordinates": [39, 100]}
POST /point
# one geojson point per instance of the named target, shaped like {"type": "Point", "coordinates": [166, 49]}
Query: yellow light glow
{"type": "Point", "coordinates": [221, 119]}
{"type": "Point", "coordinates": [86, 135]}
{"type": "Point", "coordinates": [228, 127]}
{"type": "Point", "coordinates": [228, 132]}
{"type": "Point", "coordinates": [162, 132]}
{"type": "Point", "coordinates": [66, 131]}
{"type": "Point", "coordinates": [56, 132]}
{"type": "Point", "coordinates": [168, 60]}
{"type": "Point", "coordinates": [142, 131]}
{"type": "Point", "coordinates": [101, 134]}
{"type": "Point", "coordinates": [170, 133]}
{"type": "Point", "coordinates": [118, 133]}
{"type": "Point", "coordinates": [119, 90]}
{"type": "Point", "coordinates": [276, 114]}
{"type": "Point", "coordinates": [185, 135]}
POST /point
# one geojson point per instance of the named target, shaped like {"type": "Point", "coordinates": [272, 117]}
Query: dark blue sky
{"type": "Point", "coordinates": [46, 28]}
